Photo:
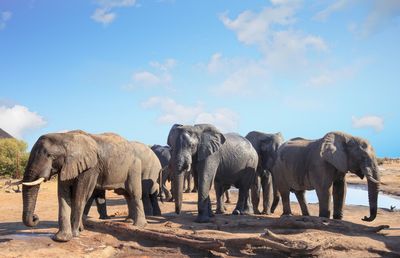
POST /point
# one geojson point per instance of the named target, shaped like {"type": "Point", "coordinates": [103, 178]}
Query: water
{"type": "Point", "coordinates": [356, 195]}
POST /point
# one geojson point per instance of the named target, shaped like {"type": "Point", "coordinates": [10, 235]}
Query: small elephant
{"type": "Point", "coordinates": [164, 155]}
{"type": "Point", "coordinates": [322, 165]}
{"type": "Point", "coordinates": [266, 146]}
{"type": "Point", "coordinates": [84, 162]}
{"type": "Point", "coordinates": [228, 158]}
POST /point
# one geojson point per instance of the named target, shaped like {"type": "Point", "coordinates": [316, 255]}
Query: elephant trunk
{"type": "Point", "coordinates": [178, 189]}
{"type": "Point", "coordinates": [29, 197]}
{"type": "Point", "coordinates": [373, 189]}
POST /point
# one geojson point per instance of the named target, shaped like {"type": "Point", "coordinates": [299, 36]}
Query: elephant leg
{"type": "Point", "coordinates": [324, 198]}
{"type": "Point", "coordinates": [267, 189]}
{"type": "Point", "coordinates": [101, 203]}
{"type": "Point", "coordinates": [227, 195]}
{"type": "Point", "coordinates": [301, 198]}
{"type": "Point", "coordinates": [148, 208]}
{"type": "Point", "coordinates": [195, 181]}
{"type": "Point", "coordinates": [64, 233]}
{"type": "Point", "coordinates": [339, 196]}
{"type": "Point", "coordinates": [130, 218]}
{"type": "Point", "coordinates": [205, 177]}
{"type": "Point", "coordinates": [276, 194]}
{"type": "Point", "coordinates": [134, 190]}
{"type": "Point", "coordinates": [286, 202]}
{"type": "Point", "coordinates": [255, 195]}
{"type": "Point", "coordinates": [88, 205]}
{"type": "Point", "coordinates": [82, 190]}
{"type": "Point", "coordinates": [154, 204]}
{"type": "Point", "coordinates": [219, 192]}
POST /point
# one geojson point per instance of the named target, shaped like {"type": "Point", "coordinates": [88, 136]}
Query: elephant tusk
{"type": "Point", "coordinates": [373, 180]}
{"type": "Point", "coordinates": [36, 182]}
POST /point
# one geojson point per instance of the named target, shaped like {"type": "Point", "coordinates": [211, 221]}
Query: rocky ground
{"type": "Point", "coordinates": [178, 236]}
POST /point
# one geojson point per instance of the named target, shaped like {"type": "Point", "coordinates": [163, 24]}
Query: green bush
{"type": "Point", "coordinates": [13, 157]}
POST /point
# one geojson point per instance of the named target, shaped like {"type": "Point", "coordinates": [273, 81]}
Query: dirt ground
{"type": "Point", "coordinates": [352, 236]}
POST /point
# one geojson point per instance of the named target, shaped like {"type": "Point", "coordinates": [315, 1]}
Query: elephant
{"type": "Point", "coordinates": [226, 159]}
{"type": "Point", "coordinates": [84, 162]}
{"type": "Point", "coordinates": [266, 146]}
{"type": "Point", "coordinates": [164, 155]}
{"type": "Point", "coordinates": [322, 165]}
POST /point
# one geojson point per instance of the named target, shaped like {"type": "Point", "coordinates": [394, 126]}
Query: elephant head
{"type": "Point", "coordinates": [266, 145]}
{"type": "Point", "coordinates": [189, 145]}
{"type": "Point", "coordinates": [349, 153]}
{"type": "Point", "coordinates": [65, 154]}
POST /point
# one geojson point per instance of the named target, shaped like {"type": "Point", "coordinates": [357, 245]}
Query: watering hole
{"type": "Point", "coordinates": [357, 195]}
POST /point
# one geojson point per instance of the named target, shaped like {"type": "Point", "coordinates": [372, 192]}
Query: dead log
{"type": "Point", "coordinates": [157, 236]}
{"type": "Point", "coordinates": [204, 243]}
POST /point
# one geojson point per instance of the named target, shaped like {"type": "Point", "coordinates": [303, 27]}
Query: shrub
{"type": "Point", "coordinates": [13, 157]}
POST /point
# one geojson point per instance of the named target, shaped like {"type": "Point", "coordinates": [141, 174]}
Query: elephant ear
{"type": "Point", "coordinates": [173, 134]}
{"type": "Point", "coordinates": [210, 142]}
{"type": "Point", "coordinates": [81, 155]}
{"type": "Point", "coordinates": [333, 151]}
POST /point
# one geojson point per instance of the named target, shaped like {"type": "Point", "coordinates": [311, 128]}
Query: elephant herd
{"type": "Point", "coordinates": [88, 164]}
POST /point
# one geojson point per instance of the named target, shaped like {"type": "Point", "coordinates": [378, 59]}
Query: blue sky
{"type": "Point", "coordinates": [136, 67]}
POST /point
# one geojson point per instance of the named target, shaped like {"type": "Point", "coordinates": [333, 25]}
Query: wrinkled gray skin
{"type": "Point", "coordinates": [229, 158]}
{"type": "Point", "coordinates": [322, 165]}
{"type": "Point", "coordinates": [164, 155]}
{"type": "Point", "coordinates": [84, 162]}
{"type": "Point", "coordinates": [266, 146]}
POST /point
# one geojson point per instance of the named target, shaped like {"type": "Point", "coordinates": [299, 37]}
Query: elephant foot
{"type": "Point", "coordinates": [187, 191]}
{"type": "Point", "coordinates": [61, 236]}
{"type": "Point", "coordinates": [75, 233]}
{"type": "Point", "coordinates": [338, 216]}
{"type": "Point", "coordinates": [257, 211]}
{"type": "Point", "coordinates": [220, 211]}
{"type": "Point", "coordinates": [194, 190]}
{"type": "Point", "coordinates": [140, 222]}
{"type": "Point", "coordinates": [266, 212]}
{"type": "Point", "coordinates": [236, 212]}
{"type": "Point", "coordinates": [247, 212]}
{"type": "Point", "coordinates": [157, 213]}
{"type": "Point", "coordinates": [202, 219]}
{"type": "Point", "coordinates": [105, 217]}
{"type": "Point", "coordinates": [286, 215]}
{"type": "Point", "coordinates": [129, 220]}
{"type": "Point", "coordinates": [228, 201]}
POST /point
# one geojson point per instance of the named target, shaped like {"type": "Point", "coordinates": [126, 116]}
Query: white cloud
{"type": "Point", "coordinates": [146, 78]}
{"type": "Point", "coordinates": [330, 77]}
{"type": "Point", "coordinates": [245, 80]}
{"type": "Point", "coordinates": [18, 120]}
{"type": "Point", "coordinates": [4, 17]}
{"type": "Point", "coordinates": [282, 47]}
{"type": "Point", "coordinates": [166, 66]}
{"type": "Point", "coordinates": [104, 14]}
{"type": "Point", "coordinates": [161, 76]}
{"type": "Point", "coordinates": [173, 112]}
{"type": "Point", "coordinates": [332, 8]}
{"type": "Point", "coordinates": [374, 122]}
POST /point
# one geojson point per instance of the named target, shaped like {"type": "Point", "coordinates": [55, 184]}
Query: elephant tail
{"type": "Point", "coordinates": [159, 181]}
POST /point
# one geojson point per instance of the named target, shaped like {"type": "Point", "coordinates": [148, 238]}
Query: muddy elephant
{"type": "Point", "coordinates": [266, 146]}
{"type": "Point", "coordinates": [322, 165]}
{"type": "Point", "coordinates": [84, 162]}
{"type": "Point", "coordinates": [226, 159]}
